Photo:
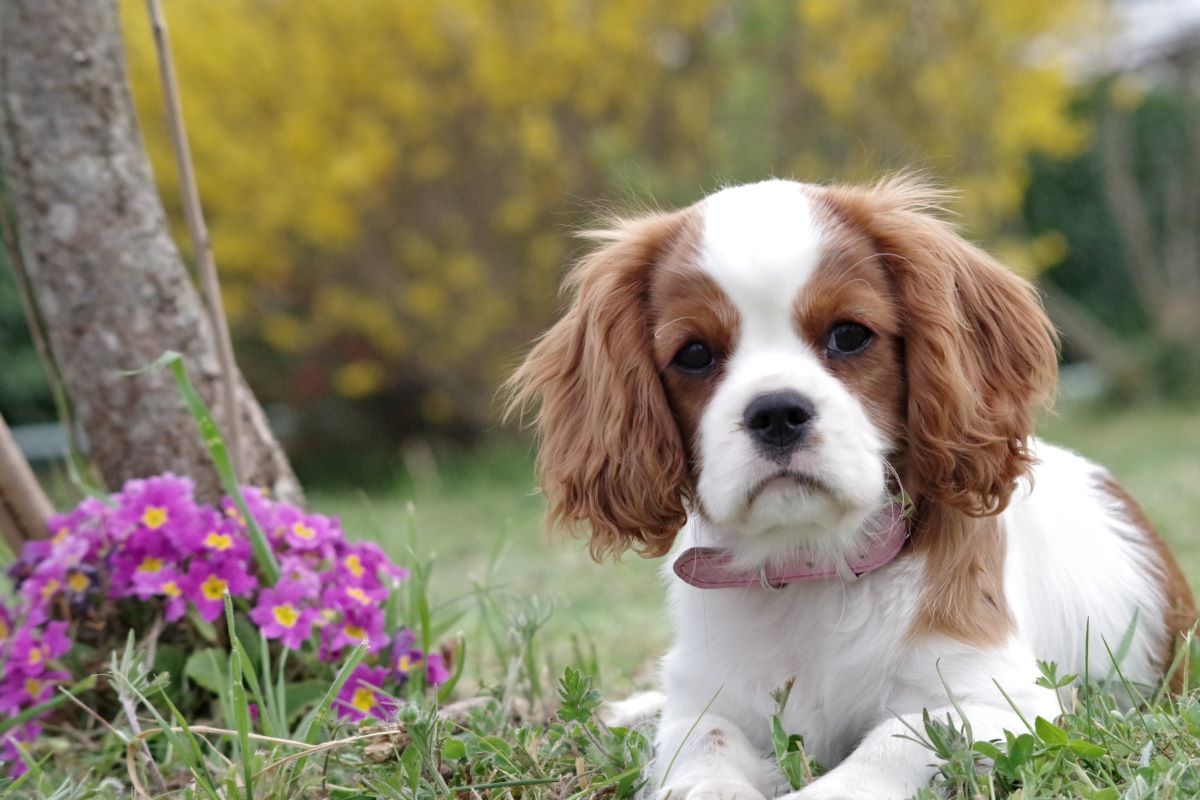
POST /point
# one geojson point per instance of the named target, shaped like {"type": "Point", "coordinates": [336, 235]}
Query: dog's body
{"type": "Point", "coordinates": [771, 371]}
{"type": "Point", "coordinates": [1075, 565]}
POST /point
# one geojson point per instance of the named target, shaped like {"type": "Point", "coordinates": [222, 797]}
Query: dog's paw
{"type": "Point", "coordinates": [712, 789]}
{"type": "Point", "coordinates": [871, 788]}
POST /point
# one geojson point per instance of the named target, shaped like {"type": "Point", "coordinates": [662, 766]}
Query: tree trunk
{"type": "Point", "coordinates": [108, 282]}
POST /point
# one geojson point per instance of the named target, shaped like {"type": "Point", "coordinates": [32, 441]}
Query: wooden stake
{"type": "Point", "coordinates": [24, 507]}
{"type": "Point", "coordinates": [198, 232]}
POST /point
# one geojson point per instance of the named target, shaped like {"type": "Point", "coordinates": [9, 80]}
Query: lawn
{"type": "Point", "coordinates": [482, 518]}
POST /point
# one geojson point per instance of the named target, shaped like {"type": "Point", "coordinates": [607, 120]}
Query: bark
{"type": "Point", "coordinates": [109, 284]}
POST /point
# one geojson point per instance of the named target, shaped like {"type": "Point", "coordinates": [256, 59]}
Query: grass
{"type": "Point", "coordinates": [484, 521]}
{"type": "Point", "coordinates": [531, 730]}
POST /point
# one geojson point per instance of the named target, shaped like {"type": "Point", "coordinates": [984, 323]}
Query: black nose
{"type": "Point", "coordinates": [777, 421]}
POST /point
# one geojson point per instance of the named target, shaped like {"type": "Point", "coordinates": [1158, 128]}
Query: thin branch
{"type": "Point", "coordinates": [198, 231]}
{"type": "Point", "coordinates": [1124, 198]}
{"type": "Point", "coordinates": [1083, 331]}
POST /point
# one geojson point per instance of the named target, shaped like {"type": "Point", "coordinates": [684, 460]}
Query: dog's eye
{"type": "Point", "coordinates": [694, 357]}
{"type": "Point", "coordinates": [848, 338]}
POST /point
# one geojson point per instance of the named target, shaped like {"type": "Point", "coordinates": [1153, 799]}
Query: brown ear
{"type": "Point", "coordinates": [980, 353]}
{"type": "Point", "coordinates": [610, 452]}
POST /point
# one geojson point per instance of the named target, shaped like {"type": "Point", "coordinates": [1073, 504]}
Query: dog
{"type": "Point", "coordinates": [820, 399]}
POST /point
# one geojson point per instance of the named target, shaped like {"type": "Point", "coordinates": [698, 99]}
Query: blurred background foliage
{"type": "Point", "coordinates": [391, 185]}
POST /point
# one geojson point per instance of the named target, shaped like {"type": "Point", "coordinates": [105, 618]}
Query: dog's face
{"type": "Point", "coordinates": [780, 359]}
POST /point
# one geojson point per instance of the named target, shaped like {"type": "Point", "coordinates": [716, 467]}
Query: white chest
{"type": "Point", "coordinates": [838, 642]}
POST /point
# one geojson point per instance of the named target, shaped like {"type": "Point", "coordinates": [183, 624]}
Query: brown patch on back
{"type": "Point", "coordinates": [964, 577]}
{"type": "Point", "coordinates": [1179, 611]}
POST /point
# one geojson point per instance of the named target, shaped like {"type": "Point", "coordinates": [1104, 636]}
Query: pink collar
{"type": "Point", "coordinates": [710, 567]}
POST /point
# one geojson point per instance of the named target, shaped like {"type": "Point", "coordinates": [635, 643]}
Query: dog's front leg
{"type": "Point", "coordinates": [706, 757]}
{"type": "Point", "coordinates": [889, 765]}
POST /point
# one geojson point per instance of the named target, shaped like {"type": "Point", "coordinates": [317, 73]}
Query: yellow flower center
{"type": "Point", "coordinates": [358, 594]}
{"type": "Point", "coordinates": [218, 541]}
{"type": "Point", "coordinates": [50, 588]}
{"type": "Point", "coordinates": [154, 517]}
{"type": "Point", "coordinates": [404, 663]}
{"type": "Point", "coordinates": [4, 630]}
{"type": "Point", "coordinates": [356, 632]}
{"type": "Point", "coordinates": [303, 531]}
{"type": "Point", "coordinates": [60, 535]}
{"type": "Point", "coordinates": [150, 564]}
{"type": "Point", "coordinates": [213, 588]}
{"type": "Point", "coordinates": [33, 687]}
{"type": "Point", "coordinates": [78, 582]}
{"type": "Point", "coordinates": [355, 565]}
{"type": "Point", "coordinates": [286, 615]}
{"type": "Point", "coordinates": [35, 655]}
{"type": "Point", "coordinates": [171, 589]}
{"type": "Point", "coordinates": [363, 700]}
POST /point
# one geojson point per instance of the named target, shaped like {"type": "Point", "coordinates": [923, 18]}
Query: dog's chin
{"type": "Point", "coordinates": [786, 515]}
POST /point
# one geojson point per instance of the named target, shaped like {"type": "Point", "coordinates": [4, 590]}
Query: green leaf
{"type": "Point", "coordinates": [988, 750]}
{"type": "Point", "coordinates": [1049, 733]}
{"type": "Point", "coordinates": [579, 699]}
{"type": "Point", "coordinates": [1086, 749]}
{"type": "Point", "coordinates": [211, 435]}
{"type": "Point", "coordinates": [453, 749]}
{"type": "Point", "coordinates": [208, 669]}
{"type": "Point", "coordinates": [1021, 750]}
{"type": "Point", "coordinates": [302, 694]}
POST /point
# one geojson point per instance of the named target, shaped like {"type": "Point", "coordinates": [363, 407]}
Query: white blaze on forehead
{"type": "Point", "coordinates": [761, 245]}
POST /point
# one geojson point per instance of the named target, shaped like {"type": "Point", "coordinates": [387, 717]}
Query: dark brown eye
{"type": "Point", "coordinates": [848, 338]}
{"type": "Point", "coordinates": [694, 357]}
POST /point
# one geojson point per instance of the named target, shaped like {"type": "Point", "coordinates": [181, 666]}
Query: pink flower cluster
{"type": "Point", "coordinates": [154, 543]}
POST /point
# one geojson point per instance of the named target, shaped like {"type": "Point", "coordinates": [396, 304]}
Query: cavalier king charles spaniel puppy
{"type": "Point", "coordinates": [820, 399]}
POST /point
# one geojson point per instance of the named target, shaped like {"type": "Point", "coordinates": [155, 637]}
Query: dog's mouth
{"type": "Point", "coordinates": [788, 478]}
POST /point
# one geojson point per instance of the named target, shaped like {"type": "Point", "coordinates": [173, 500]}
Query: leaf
{"type": "Point", "coordinates": [579, 699]}
{"type": "Point", "coordinates": [1086, 749]}
{"type": "Point", "coordinates": [208, 669]}
{"type": "Point", "coordinates": [988, 750]}
{"type": "Point", "coordinates": [301, 694]}
{"type": "Point", "coordinates": [453, 749]}
{"type": "Point", "coordinates": [1021, 750]}
{"type": "Point", "coordinates": [1049, 733]}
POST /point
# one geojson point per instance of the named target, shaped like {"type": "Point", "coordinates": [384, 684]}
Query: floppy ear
{"type": "Point", "coordinates": [610, 452]}
{"type": "Point", "coordinates": [980, 352]}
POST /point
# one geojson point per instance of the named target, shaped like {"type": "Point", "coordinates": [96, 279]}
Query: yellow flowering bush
{"type": "Point", "coordinates": [391, 184]}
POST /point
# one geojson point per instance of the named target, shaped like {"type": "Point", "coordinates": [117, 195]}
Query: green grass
{"type": "Point", "coordinates": [533, 732]}
{"type": "Point", "coordinates": [483, 519]}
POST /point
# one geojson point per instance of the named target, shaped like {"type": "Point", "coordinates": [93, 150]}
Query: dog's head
{"type": "Point", "coordinates": [781, 359]}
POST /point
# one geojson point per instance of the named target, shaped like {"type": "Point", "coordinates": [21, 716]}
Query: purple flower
{"type": "Point", "coordinates": [206, 583]}
{"type": "Point", "coordinates": [217, 537]}
{"type": "Point", "coordinates": [436, 672]}
{"type": "Point", "coordinates": [362, 563]}
{"type": "Point", "coordinates": [163, 504]}
{"type": "Point", "coordinates": [33, 648]}
{"type": "Point", "coordinates": [304, 532]}
{"type": "Point", "coordinates": [405, 657]}
{"type": "Point", "coordinates": [282, 614]}
{"type": "Point", "coordinates": [362, 697]}
{"type": "Point", "coordinates": [357, 627]}
{"type": "Point", "coordinates": [22, 691]}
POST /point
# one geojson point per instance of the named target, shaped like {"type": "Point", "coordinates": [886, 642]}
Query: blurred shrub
{"type": "Point", "coordinates": [391, 184]}
{"type": "Point", "coordinates": [24, 394]}
{"type": "Point", "coordinates": [1128, 212]}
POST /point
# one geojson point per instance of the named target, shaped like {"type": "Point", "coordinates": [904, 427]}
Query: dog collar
{"type": "Point", "coordinates": [711, 567]}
